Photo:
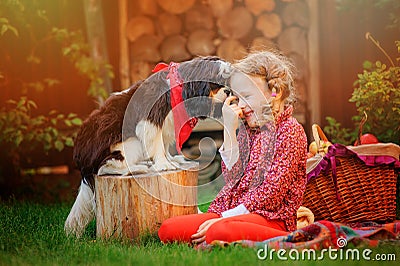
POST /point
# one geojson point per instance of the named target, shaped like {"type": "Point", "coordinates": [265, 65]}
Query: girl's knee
{"type": "Point", "coordinates": [218, 231]}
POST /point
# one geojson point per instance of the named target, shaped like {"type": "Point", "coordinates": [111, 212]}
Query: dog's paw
{"type": "Point", "coordinates": [113, 167]}
{"type": "Point", "coordinates": [164, 165]}
{"type": "Point", "coordinates": [179, 159]}
{"type": "Point", "coordinates": [138, 168]}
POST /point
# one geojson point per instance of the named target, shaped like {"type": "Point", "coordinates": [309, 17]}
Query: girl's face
{"type": "Point", "coordinates": [253, 95]}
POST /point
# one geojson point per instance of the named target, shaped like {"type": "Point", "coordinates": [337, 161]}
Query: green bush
{"type": "Point", "coordinates": [376, 93]}
{"type": "Point", "coordinates": [21, 132]}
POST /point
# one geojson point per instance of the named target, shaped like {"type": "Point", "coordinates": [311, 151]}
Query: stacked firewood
{"type": "Point", "coordinates": [178, 30]}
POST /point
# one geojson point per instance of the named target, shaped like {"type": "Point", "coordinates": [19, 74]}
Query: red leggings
{"type": "Point", "coordinates": [242, 227]}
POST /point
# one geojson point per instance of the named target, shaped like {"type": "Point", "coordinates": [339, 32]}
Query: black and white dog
{"type": "Point", "coordinates": [139, 124]}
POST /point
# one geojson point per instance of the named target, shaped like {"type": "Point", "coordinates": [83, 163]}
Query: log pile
{"type": "Point", "coordinates": [172, 30]}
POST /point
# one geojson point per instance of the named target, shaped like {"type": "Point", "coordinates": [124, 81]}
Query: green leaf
{"type": "Point", "coordinates": [59, 145]}
{"type": "Point", "coordinates": [66, 50]}
{"type": "Point", "coordinates": [29, 136]}
{"type": "Point", "coordinates": [367, 64]}
{"type": "Point", "coordinates": [69, 142]}
{"type": "Point", "coordinates": [14, 30]}
{"type": "Point", "coordinates": [42, 14]}
{"type": "Point", "coordinates": [32, 104]}
{"type": "Point", "coordinates": [68, 123]}
{"type": "Point", "coordinates": [77, 121]}
{"type": "Point", "coordinates": [51, 82]}
{"type": "Point", "coordinates": [12, 102]}
{"type": "Point", "coordinates": [21, 102]}
{"type": "Point", "coordinates": [19, 139]}
{"type": "Point", "coordinates": [23, 109]}
{"type": "Point", "coordinates": [47, 137]}
{"type": "Point", "coordinates": [54, 132]}
{"type": "Point", "coordinates": [8, 130]}
{"type": "Point", "coordinates": [46, 147]}
{"type": "Point", "coordinates": [33, 59]}
{"type": "Point", "coordinates": [4, 28]}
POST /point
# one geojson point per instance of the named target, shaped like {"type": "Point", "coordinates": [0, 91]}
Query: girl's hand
{"type": "Point", "coordinates": [231, 113]}
{"type": "Point", "coordinates": [200, 236]}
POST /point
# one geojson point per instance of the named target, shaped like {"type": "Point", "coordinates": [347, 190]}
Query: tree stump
{"type": "Point", "coordinates": [128, 206]}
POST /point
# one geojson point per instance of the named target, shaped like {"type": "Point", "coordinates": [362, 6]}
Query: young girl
{"type": "Point", "coordinates": [264, 164]}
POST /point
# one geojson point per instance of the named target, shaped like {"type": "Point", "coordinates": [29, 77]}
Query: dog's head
{"type": "Point", "coordinates": [204, 85]}
{"type": "Point", "coordinates": [203, 81]}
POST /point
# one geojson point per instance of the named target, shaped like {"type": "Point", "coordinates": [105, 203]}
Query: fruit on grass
{"type": "Point", "coordinates": [367, 138]}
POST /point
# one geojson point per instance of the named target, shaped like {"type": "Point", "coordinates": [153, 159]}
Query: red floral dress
{"type": "Point", "coordinates": [282, 166]}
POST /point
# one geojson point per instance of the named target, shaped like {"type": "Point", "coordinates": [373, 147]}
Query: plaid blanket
{"type": "Point", "coordinates": [325, 234]}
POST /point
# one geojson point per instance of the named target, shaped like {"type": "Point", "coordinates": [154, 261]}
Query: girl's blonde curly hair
{"type": "Point", "coordinates": [275, 67]}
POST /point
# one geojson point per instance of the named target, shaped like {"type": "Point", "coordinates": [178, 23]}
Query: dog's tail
{"type": "Point", "coordinates": [84, 209]}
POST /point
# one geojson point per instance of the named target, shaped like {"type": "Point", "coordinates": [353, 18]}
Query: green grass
{"type": "Point", "coordinates": [32, 234]}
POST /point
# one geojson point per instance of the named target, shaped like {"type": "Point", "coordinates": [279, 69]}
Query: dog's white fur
{"type": "Point", "coordinates": [83, 211]}
{"type": "Point", "coordinates": [151, 143]}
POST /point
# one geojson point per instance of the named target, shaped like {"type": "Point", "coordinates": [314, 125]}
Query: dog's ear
{"type": "Point", "coordinates": [198, 99]}
{"type": "Point", "coordinates": [199, 88]}
{"type": "Point", "coordinates": [196, 96]}
{"type": "Point", "coordinates": [195, 89]}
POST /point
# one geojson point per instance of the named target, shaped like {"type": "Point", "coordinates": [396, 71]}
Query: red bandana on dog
{"type": "Point", "coordinates": [182, 122]}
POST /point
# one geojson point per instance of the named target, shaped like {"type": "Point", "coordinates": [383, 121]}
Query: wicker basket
{"type": "Point", "coordinates": [361, 192]}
